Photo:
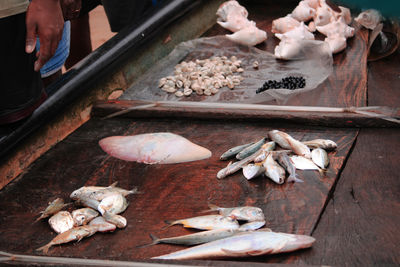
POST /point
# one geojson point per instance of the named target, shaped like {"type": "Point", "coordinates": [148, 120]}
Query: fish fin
{"type": "Point", "coordinates": [45, 248]}
{"type": "Point", "coordinates": [259, 252]}
{"type": "Point", "coordinates": [113, 184]}
{"type": "Point", "coordinates": [229, 252]}
{"type": "Point", "coordinates": [155, 240]}
{"type": "Point", "coordinates": [294, 179]}
{"type": "Point", "coordinates": [39, 218]}
{"type": "Point", "coordinates": [170, 223]}
{"type": "Point", "coordinates": [212, 208]}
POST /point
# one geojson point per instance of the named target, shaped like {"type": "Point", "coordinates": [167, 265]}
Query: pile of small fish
{"type": "Point", "coordinates": [308, 155]}
{"type": "Point", "coordinates": [84, 222]}
{"type": "Point", "coordinates": [225, 237]}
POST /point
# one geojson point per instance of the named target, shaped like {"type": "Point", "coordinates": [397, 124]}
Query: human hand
{"type": "Point", "coordinates": [44, 19]}
{"type": "Point", "coordinates": [71, 8]}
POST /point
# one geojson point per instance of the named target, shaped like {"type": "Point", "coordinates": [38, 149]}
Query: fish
{"type": "Point", "coordinates": [320, 158]}
{"type": "Point", "coordinates": [302, 163]}
{"type": "Point", "coordinates": [234, 167]}
{"type": "Point", "coordinates": [154, 148]}
{"type": "Point", "coordinates": [87, 202]}
{"type": "Point", "coordinates": [251, 149]}
{"type": "Point", "coordinates": [102, 225]}
{"type": "Point", "coordinates": [83, 216]}
{"type": "Point", "coordinates": [74, 234]}
{"type": "Point", "coordinates": [100, 192]}
{"type": "Point", "coordinates": [251, 171]}
{"type": "Point", "coordinates": [207, 222]}
{"type": "Point", "coordinates": [53, 207]}
{"type": "Point", "coordinates": [252, 225]}
{"type": "Point", "coordinates": [113, 204]}
{"type": "Point", "coordinates": [61, 222]}
{"type": "Point", "coordinates": [246, 213]}
{"type": "Point", "coordinates": [288, 142]}
{"type": "Point", "coordinates": [233, 151]}
{"type": "Point", "coordinates": [284, 161]}
{"type": "Point", "coordinates": [273, 170]}
{"type": "Point", "coordinates": [194, 239]}
{"type": "Point", "coordinates": [321, 143]}
{"type": "Point", "coordinates": [115, 219]}
{"type": "Point", "coordinates": [253, 243]}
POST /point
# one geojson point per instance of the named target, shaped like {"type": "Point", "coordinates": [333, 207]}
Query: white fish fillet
{"type": "Point", "coordinates": [153, 148]}
{"type": "Point", "coordinates": [244, 245]}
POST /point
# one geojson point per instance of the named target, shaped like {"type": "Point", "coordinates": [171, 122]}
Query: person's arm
{"type": "Point", "coordinates": [44, 18]}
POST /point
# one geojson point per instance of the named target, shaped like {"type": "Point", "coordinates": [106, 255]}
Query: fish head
{"type": "Point", "coordinates": [79, 219]}
{"type": "Point", "coordinates": [255, 214]}
{"type": "Point", "coordinates": [76, 194]}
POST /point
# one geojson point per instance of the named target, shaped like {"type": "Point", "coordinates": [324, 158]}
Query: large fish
{"type": "Point", "coordinates": [288, 142]}
{"type": "Point", "coordinates": [154, 148]}
{"type": "Point", "coordinates": [194, 239]}
{"type": "Point", "coordinates": [207, 222]}
{"type": "Point", "coordinates": [100, 192]}
{"type": "Point", "coordinates": [243, 245]}
{"type": "Point", "coordinates": [246, 213]}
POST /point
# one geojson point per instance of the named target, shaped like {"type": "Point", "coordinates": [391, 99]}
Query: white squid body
{"type": "Point", "coordinates": [300, 32]}
{"type": "Point", "coordinates": [303, 12]}
{"type": "Point", "coordinates": [162, 148]}
{"type": "Point", "coordinates": [250, 36]}
{"type": "Point", "coordinates": [243, 245]}
{"type": "Point", "coordinates": [284, 24]}
{"type": "Point", "coordinates": [230, 7]}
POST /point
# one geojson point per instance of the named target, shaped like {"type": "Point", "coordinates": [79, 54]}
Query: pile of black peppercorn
{"type": "Point", "coordinates": [290, 83]}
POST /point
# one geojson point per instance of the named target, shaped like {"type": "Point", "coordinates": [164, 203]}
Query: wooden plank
{"type": "Point", "coordinates": [361, 221]}
{"type": "Point", "coordinates": [168, 191]}
{"type": "Point", "coordinates": [302, 115]}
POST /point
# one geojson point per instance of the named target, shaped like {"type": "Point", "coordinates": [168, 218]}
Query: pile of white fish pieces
{"type": "Point", "coordinates": [101, 206]}
{"type": "Point", "coordinates": [225, 237]}
{"type": "Point", "coordinates": [306, 155]}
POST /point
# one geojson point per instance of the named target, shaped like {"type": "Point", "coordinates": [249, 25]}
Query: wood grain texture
{"type": "Point", "coordinates": [168, 191]}
{"type": "Point", "coordinates": [361, 221]}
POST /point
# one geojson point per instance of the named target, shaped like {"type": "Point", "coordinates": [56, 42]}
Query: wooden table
{"type": "Point", "coordinates": [353, 210]}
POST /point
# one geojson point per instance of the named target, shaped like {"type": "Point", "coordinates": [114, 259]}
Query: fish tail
{"type": "Point", "coordinates": [294, 178]}
{"type": "Point", "coordinates": [155, 240]}
{"type": "Point", "coordinates": [212, 208]}
{"type": "Point", "coordinates": [170, 223]}
{"type": "Point", "coordinates": [134, 190]}
{"type": "Point", "coordinates": [45, 248]}
{"type": "Point", "coordinates": [113, 184]}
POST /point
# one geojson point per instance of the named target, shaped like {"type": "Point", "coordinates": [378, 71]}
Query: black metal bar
{"type": "Point", "coordinates": [84, 75]}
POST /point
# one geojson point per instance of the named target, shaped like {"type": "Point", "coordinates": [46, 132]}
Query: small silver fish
{"type": "Point", "coordinates": [207, 222]}
{"type": "Point", "coordinates": [321, 143]}
{"type": "Point", "coordinates": [113, 204]}
{"type": "Point", "coordinates": [254, 225]}
{"type": "Point", "coordinates": [61, 222]}
{"type": "Point", "coordinates": [194, 239]}
{"type": "Point", "coordinates": [288, 142]}
{"type": "Point", "coordinates": [251, 149]}
{"type": "Point", "coordinates": [100, 192]}
{"type": "Point", "coordinates": [234, 167]}
{"type": "Point", "coordinates": [246, 213]}
{"type": "Point", "coordinates": [74, 234]}
{"type": "Point", "coordinates": [284, 161]}
{"type": "Point", "coordinates": [253, 243]}
{"type": "Point", "coordinates": [102, 224]}
{"type": "Point", "coordinates": [115, 219]}
{"type": "Point", "coordinates": [320, 158]}
{"type": "Point", "coordinates": [302, 163]}
{"type": "Point", "coordinates": [251, 171]}
{"type": "Point", "coordinates": [54, 207]}
{"type": "Point", "coordinates": [83, 216]}
{"type": "Point", "coordinates": [233, 151]}
{"type": "Point", "coordinates": [273, 170]}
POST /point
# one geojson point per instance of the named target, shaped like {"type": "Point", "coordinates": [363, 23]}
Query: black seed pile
{"type": "Point", "coordinates": [290, 83]}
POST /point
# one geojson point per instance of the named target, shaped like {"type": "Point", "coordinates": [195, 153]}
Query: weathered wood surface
{"type": "Point", "coordinates": [107, 110]}
{"type": "Point", "coordinates": [168, 191]}
{"type": "Point", "coordinates": [360, 224]}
